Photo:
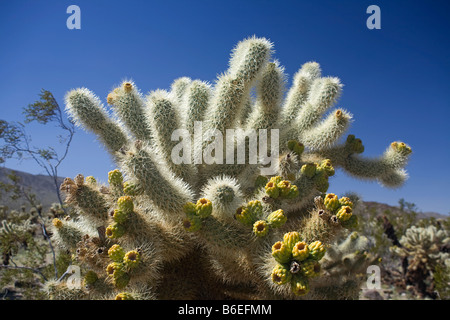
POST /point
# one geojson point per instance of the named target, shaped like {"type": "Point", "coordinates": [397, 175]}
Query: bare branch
{"type": "Point", "coordinates": [25, 268]}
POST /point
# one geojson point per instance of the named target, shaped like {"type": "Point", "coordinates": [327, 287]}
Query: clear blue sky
{"type": "Point", "coordinates": [396, 79]}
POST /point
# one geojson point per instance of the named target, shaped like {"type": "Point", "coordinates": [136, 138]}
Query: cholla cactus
{"type": "Point", "coordinates": [206, 203]}
{"type": "Point", "coordinates": [15, 232]}
{"type": "Point", "coordinates": [345, 267]}
{"type": "Point", "coordinates": [424, 248]}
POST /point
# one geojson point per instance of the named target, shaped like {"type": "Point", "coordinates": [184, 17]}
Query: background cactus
{"type": "Point", "coordinates": [345, 268]}
{"type": "Point", "coordinates": [425, 249]}
{"type": "Point", "coordinates": [215, 229]}
{"type": "Point", "coordinates": [25, 254]}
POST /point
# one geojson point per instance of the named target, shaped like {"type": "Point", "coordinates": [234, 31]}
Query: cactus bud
{"type": "Point", "coordinates": [284, 188]}
{"type": "Point", "coordinates": [115, 231]}
{"type": "Point", "coordinates": [272, 189]}
{"type": "Point", "coordinates": [111, 98]}
{"type": "Point", "coordinates": [120, 216]}
{"type": "Point", "coordinates": [91, 181]}
{"type": "Point", "coordinates": [131, 259]}
{"type": "Point", "coordinates": [327, 166]}
{"type": "Point", "coordinates": [344, 213]}
{"type": "Point", "coordinates": [203, 208]}
{"type": "Point", "coordinates": [127, 87]}
{"type": "Point", "coordinates": [192, 223]}
{"type": "Point", "coordinates": [260, 228]}
{"type": "Point", "coordinates": [114, 269]}
{"type": "Point", "coordinates": [316, 250]}
{"type": "Point", "coordinates": [401, 147]}
{"type": "Point", "coordinates": [250, 213]}
{"type": "Point", "coordinates": [281, 252]}
{"type": "Point", "coordinates": [277, 218]}
{"type": "Point", "coordinates": [310, 268]}
{"type": "Point", "coordinates": [300, 251]}
{"type": "Point", "coordinates": [129, 188]}
{"type": "Point", "coordinates": [345, 201]}
{"type": "Point", "coordinates": [299, 285]}
{"type": "Point", "coordinates": [124, 296]}
{"type": "Point", "coordinates": [331, 202]}
{"type": "Point", "coordinates": [280, 275]}
{"type": "Point", "coordinates": [189, 209]}
{"type": "Point", "coordinates": [125, 204]}
{"type": "Point", "coordinates": [296, 147]}
{"type": "Point", "coordinates": [79, 180]}
{"type": "Point", "coordinates": [115, 178]}
{"type": "Point", "coordinates": [290, 239]}
{"type": "Point", "coordinates": [116, 253]}
{"type": "Point", "coordinates": [57, 223]}
{"type": "Point", "coordinates": [309, 169]}
{"type": "Point", "coordinates": [293, 192]}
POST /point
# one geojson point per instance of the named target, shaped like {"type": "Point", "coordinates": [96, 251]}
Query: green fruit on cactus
{"type": "Point", "coordinates": [281, 252]}
{"type": "Point", "coordinates": [300, 251]}
{"type": "Point", "coordinates": [317, 250]}
{"type": "Point", "coordinates": [277, 218]}
{"type": "Point", "coordinates": [281, 275]}
{"type": "Point", "coordinates": [260, 228]}
{"type": "Point", "coordinates": [204, 208]}
{"type": "Point", "coordinates": [116, 253]}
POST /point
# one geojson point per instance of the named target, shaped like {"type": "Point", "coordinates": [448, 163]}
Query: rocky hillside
{"type": "Point", "coordinates": [380, 208]}
{"type": "Point", "coordinates": [41, 185]}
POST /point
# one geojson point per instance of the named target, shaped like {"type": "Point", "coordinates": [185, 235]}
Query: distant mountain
{"type": "Point", "coordinates": [380, 208]}
{"type": "Point", "coordinates": [41, 185]}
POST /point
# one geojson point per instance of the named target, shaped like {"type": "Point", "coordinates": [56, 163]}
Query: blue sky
{"type": "Point", "coordinates": [396, 78]}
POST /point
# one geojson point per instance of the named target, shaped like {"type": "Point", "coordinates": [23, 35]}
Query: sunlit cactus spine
{"type": "Point", "coordinates": [205, 227]}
